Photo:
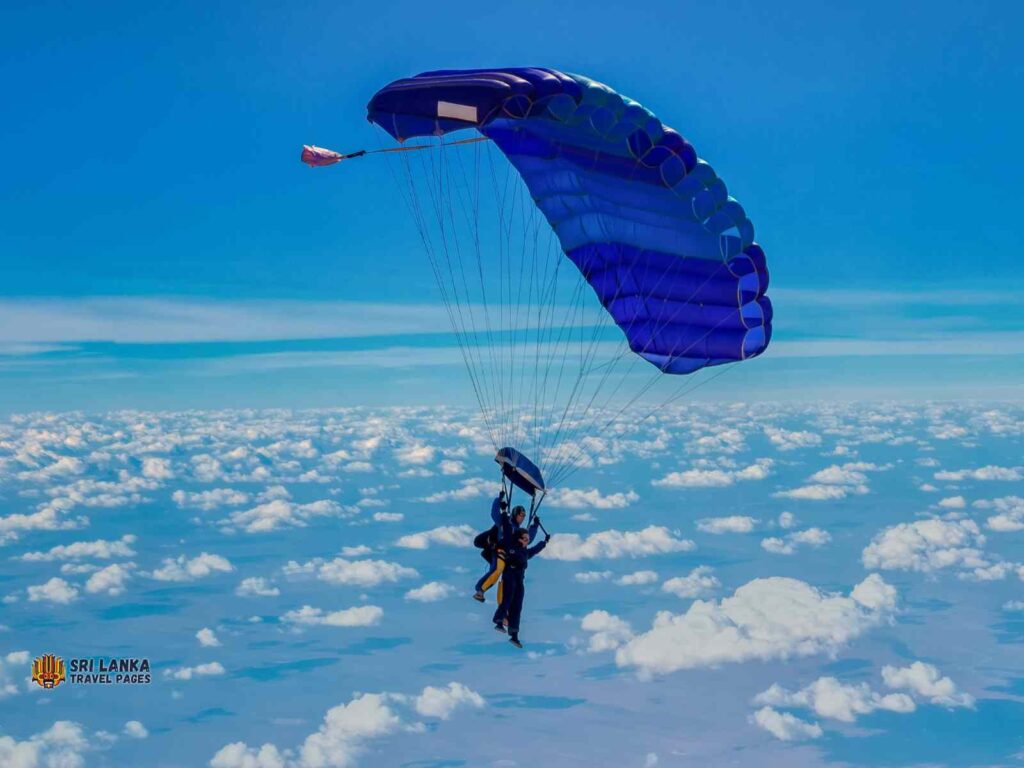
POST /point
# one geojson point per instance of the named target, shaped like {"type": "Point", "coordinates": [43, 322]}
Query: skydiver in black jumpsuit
{"type": "Point", "coordinates": [517, 554]}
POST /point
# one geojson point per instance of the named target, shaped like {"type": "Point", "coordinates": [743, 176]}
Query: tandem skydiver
{"type": "Point", "coordinates": [489, 542]}
{"type": "Point", "coordinates": [517, 551]}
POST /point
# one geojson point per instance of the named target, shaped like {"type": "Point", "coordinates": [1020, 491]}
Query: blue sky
{"type": "Point", "coordinates": [235, 431]}
{"type": "Point", "coordinates": [875, 147]}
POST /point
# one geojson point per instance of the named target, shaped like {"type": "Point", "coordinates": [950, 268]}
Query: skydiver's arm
{"type": "Point", "coordinates": [534, 526]}
{"type": "Point", "coordinates": [506, 528]}
{"type": "Point", "coordinates": [535, 549]}
{"type": "Point", "coordinates": [497, 507]}
{"type": "Point", "coordinates": [496, 510]}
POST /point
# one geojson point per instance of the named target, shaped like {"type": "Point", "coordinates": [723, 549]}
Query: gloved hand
{"type": "Point", "coordinates": [503, 505]}
{"type": "Point", "coordinates": [547, 538]}
{"type": "Point", "coordinates": [501, 494]}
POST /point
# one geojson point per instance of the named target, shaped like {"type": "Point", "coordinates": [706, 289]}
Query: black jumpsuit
{"type": "Point", "coordinates": [516, 557]}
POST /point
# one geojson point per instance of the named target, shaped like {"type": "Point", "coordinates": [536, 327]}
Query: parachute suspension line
{"type": "Point", "coordinates": [559, 473]}
{"type": "Point", "coordinates": [475, 228]}
{"type": "Point", "coordinates": [524, 304]}
{"type": "Point", "coordinates": [419, 218]}
{"type": "Point", "coordinates": [545, 316]}
{"type": "Point", "coordinates": [446, 183]}
{"type": "Point", "coordinates": [680, 393]}
{"type": "Point", "coordinates": [441, 214]}
{"type": "Point", "coordinates": [567, 327]}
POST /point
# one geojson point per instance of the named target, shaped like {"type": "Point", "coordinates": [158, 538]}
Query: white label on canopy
{"type": "Point", "coordinates": [456, 111]}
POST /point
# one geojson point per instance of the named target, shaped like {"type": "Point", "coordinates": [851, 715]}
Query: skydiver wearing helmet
{"type": "Point", "coordinates": [490, 542]}
{"type": "Point", "coordinates": [517, 555]}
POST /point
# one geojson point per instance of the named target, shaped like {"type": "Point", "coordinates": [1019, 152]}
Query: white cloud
{"type": "Point", "coordinates": [416, 453]}
{"type": "Point", "coordinates": [612, 544]}
{"type": "Point", "coordinates": [607, 632]}
{"type": "Point", "coordinates": [133, 729]}
{"type": "Point", "coordinates": [388, 517]}
{"type": "Point", "coordinates": [715, 477]}
{"type": "Point", "coordinates": [592, 577]}
{"type": "Point", "coordinates": [210, 669]}
{"type": "Point", "coordinates": [450, 467]}
{"type": "Point", "coordinates": [157, 469]}
{"type": "Point", "coordinates": [356, 551]}
{"type": "Point", "coordinates": [59, 746]}
{"type": "Point", "coordinates": [360, 616]}
{"type": "Point", "coordinates": [12, 669]}
{"type": "Point", "coordinates": [828, 697]}
{"type": "Point", "coordinates": [926, 681]}
{"type": "Point", "coordinates": [207, 638]}
{"type": "Point", "coordinates": [280, 512]}
{"type": "Point", "coordinates": [786, 440]}
{"type": "Point", "coordinates": [835, 482]}
{"type": "Point", "coordinates": [449, 535]}
{"type": "Point", "coordinates": [637, 578]}
{"type": "Point", "coordinates": [1010, 514]}
{"type": "Point", "coordinates": [182, 568]}
{"type": "Point", "coordinates": [731, 524]}
{"type": "Point", "coordinates": [953, 502]}
{"type": "Point", "coordinates": [699, 582]}
{"type": "Point", "coordinates": [347, 728]}
{"type": "Point", "coordinates": [110, 580]}
{"type": "Point", "coordinates": [442, 702]}
{"type": "Point", "coordinates": [987, 473]}
{"type": "Point", "coordinates": [56, 590]}
{"type": "Point", "coordinates": [209, 500]}
{"type": "Point", "coordinates": [257, 586]}
{"type": "Point", "coordinates": [362, 573]}
{"type": "Point", "coordinates": [788, 545]}
{"type": "Point", "coordinates": [430, 592]}
{"type": "Point", "coordinates": [358, 466]}
{"type": "Point", "coordinates": [472, 488]}
{"type": "Point", "coordinates": [100, 549]}
{"type": "Point", "coordinates": [787, 520]}
{"type": "Point", "coordinates": [770, 618]}
{"type": "Point", "coordinates": [571, 498]}
{"type": "Point", "coordinates": [926, 545]}
{"type": "Point", "coordinates": [785, 726]}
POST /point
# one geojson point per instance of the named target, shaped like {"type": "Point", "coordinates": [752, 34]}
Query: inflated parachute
{"type": "Point", "coordinates": [669, 256]}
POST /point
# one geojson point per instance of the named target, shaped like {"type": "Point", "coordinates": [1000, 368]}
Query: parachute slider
{"type": "Point", "coordinates": [318, 157]}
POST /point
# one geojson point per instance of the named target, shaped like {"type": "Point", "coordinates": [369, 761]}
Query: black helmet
{"type": "Point", "coordinates": [518, 510]}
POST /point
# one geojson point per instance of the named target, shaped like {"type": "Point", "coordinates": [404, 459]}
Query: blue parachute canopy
{"type": "Point", "coordinates": [651, 227]}
{"type": "Point", "coordinates": [520, 471]}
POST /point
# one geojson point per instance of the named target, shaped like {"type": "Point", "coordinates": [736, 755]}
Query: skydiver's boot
{"type": "Point", "coordinates": [479, 596]}
{"type": "Point", "coordinates": [499, 628]}
{"type": "Point", "coordinates": [514, 639]}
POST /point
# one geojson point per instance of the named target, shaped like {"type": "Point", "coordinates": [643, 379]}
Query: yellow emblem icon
{"type": "Point", "coordinates": [48, 670]}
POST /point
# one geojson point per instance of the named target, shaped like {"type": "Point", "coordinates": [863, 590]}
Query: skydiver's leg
{"type": "Point", "coordinates": [515, 610]}
{"type": "Point", "coordinates": [492, 562]}
{"type": "Point", "coordinates": [501, 613]}
{"type": "Point", "coordinates": [490, 579]}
